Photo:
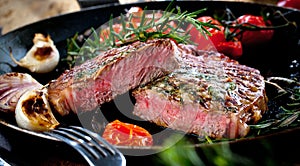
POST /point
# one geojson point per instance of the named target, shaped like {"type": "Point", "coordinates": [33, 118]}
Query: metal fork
{"type": "Point", "coordinates": [93, 148]}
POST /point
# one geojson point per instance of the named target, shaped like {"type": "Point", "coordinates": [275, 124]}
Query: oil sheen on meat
{"type": "Point", "coordinates": [209, 95]}
{"type": "Point", "coordinates": [99, 80]}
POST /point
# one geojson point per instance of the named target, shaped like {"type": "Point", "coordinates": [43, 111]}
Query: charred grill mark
{"type": "Point", "coordinates": [112, 73]}
{"type": "Point", "coordinates": [211, 85]}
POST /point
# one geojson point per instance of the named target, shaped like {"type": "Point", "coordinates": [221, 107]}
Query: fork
{"type": "Point", "coordinates": [93, 148]}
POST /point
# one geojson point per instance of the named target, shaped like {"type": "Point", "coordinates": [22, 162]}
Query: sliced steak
{"type": "Point", "coordinates": [112, 73]}
{"type": "Point", "coordinates": [209, 95]}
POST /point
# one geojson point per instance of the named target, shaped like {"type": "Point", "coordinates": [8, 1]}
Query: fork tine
{"type": "Point", "coordinates": [90, 145]}
{"type": "Point", "coordinates": [77, 146]}
{"type": "Point", "coordinates": [118, 158]}
{"type": "Point", "coordinates": [81, 138]}
{"type": "Point", "coordinates": [98, 139]}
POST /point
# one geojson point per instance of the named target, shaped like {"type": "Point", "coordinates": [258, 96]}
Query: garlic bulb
{"type": "Point", "coordinates": [43, 57]}
{"type": "Point", "coordinates": [33, 111]}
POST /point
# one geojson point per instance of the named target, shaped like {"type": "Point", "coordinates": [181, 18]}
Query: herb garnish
{"type": "Point", "coordinates": [287, 114]}
{"type": "Point", "coordinates": [149, 27]}
{"type": "Point", "coordinates": [284, 108]}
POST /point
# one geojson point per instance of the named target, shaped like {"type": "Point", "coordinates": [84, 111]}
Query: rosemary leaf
{"type": "Point", "coordinates": [289, 120]}
{"type": "Point", "coordinates": [128, 32]}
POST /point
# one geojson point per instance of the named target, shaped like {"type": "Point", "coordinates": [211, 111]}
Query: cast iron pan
{"type": "Point", "coordinates": [272, 59]}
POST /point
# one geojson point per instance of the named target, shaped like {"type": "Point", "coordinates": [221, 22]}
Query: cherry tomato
{"type": "Point", "coordinates": [136, 14]}
{"type": "Point", "coordinates": [126, 134]}
{"type": "Point", "coordinates": [233, 48]}
{"type": "Point", "coordinates": [216, 35]}
{"type": "Point", "coordinates": [217, 39]}
{"type": "Point", "coordinates": [106, 32]}
{"type": "Point", "coordinates": [289, 3]}
{"type": "Point", "coordinates": [253, 37]}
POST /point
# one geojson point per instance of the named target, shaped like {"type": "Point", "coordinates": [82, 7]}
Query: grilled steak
{"type": "Point", "coordinates": [114, 72]}
{"type": "Point", "coordinates": [209, 95]}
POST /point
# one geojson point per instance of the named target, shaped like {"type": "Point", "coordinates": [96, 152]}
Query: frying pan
{"type": "Point", "coordinates": [272, 59]}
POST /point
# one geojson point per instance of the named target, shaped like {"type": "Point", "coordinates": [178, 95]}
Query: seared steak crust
{"type": "Point", "coordinates": [209, 95]}
{"type": "Point", "coordinates": [114, 72]}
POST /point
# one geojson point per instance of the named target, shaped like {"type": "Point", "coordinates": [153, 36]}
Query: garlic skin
{"type": "Point", "coordinates": [43, 57]}
{"type": "Point", "coordinates": [33, 111]}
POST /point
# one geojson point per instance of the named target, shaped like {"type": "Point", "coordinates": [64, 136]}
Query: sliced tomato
{"type": "Point", "coordinates": [249, 37]}
{"type": "Point", "coordinates": [126, 134]}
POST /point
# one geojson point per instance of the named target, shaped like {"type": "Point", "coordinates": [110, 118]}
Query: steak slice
{"type": "Point", "coordinates": [209, 95]}
{"type": "Point", "coordinates": [112, 73]}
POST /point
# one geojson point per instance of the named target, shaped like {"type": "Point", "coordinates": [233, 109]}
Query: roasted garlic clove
{"type": "Point", "coordinates": [43, 57]}
{"type": "Point", "coordinates": [12, 86]}
{"type": "Point", "coordinates": [33, 111]}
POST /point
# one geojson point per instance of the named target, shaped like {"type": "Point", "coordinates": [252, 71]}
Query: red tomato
{"type": "Point", "coordinates": [257, 36]}
{"type": "Point", "coordinates": [106, 32]}
{"type": "Point", "coordinates": [216, 35]}
{"type": "Point", "coordinates": [289, 3]}
{"type": "Point", "coordinates": [217, 39]}
{"type": "Point", "coordinates": [233, 48]}
{"type": "Point", "coordinates": [126, 134]}
{"type": "Point", "coordinates": [136, 14]}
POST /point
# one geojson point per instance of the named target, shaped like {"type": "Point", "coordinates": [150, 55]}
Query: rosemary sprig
{"type": "Point", "coordinates": [288, 114]}
{"type": "Point", "coordinates": [162, 27]}
{"type": "Point", "coordinates": [79, 53]}
{"type": "Point", "coordinates": [150, 27]}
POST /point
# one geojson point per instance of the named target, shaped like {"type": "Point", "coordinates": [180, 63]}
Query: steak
{"type": "Point", "coordinates": [209, 95]}
{"type": "Point", "coordinates": [112, 73]}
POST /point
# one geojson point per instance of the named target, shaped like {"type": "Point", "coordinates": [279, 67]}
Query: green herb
{"type": "Point", "coordinates": [287, 114]}
{"type": "Point", "coordinates": [184, 152]}
{"type": "Point", "coordinates": [79, 54]}
{"type": "Point", "coordinates": [180, 152]}
{"type": "Point", "coordinates": [150, 28]}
